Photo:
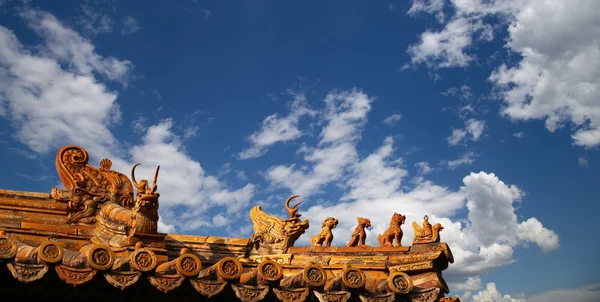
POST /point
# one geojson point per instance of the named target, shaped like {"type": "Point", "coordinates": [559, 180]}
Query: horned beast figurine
{"type": "Point", "coordinates": [273, 235]}
{"type": "Point", "coordinates": [144, 215]}
{"type": "Point", "coordinates": [325, 236]}
{"type": "Point", "coordinates": [394, 232]}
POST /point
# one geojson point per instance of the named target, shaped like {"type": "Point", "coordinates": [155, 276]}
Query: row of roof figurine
{"type": "Point", "coordinates": [425, 234]}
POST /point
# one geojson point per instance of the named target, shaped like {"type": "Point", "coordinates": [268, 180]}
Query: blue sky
{"type": "Point", "coordinates": [484, 115]}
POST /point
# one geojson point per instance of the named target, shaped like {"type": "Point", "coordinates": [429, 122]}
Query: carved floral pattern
{"type": "Point", "coordinates": [388, 297]}
{"type": "Point", "coordinates": [74, 276]}
{"type": "Point", "coordinates": [248, 293]}
{"type": "Point", "coordinates": [333, 296]}
{"type": "Point", "coordinates": [27, 272]}
{"type": "Point", "coordinates": [166, 283]}
{"type": "Point", "coordinates": [208, 288]}
{"type": "Point", "coordinates": [291, 295]}
{"type": "Point", "coordinates": [122, 280]}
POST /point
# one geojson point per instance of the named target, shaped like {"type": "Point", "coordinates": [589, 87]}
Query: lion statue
{"type": "Point", "coordinates": [359, 236]}
{"type": "Point", "coordinates": [325, 236]}
{"type": "Point", "coordinates": [394, 232]}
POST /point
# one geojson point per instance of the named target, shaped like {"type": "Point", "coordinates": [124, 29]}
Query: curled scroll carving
{"type": "Point", "coordinates": [87, 187]}
{"type": "Point", "coordinates": [273, 235]}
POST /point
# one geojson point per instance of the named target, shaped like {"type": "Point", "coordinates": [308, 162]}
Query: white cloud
{"type": "Point", "coordinates": [456, 137]}
{"type": "Point", "coordinates": [473, 128]}
{"type": "Point", "coordinates": [393, 119]}
{"type": "Point", "coordinates": [434, 7]}
{"type": "Point", "coordinates": [345, 115]}
{"type": "Point", "coordinates": [466, 159]}
{"type": "Point", "coordinates": [67, 46]}
{"type": "Point", "coordinates": [590, 292]}
{"type": "Point", "coordinates": [491, 294]}
{"type": "Point", "coordinates": [56, 96]}
{"type": "Point", "coordinates": [519, 135]}
{"type": "Point", "coordinates": [583, 162]}
{"type": "Point", "coordinates": [558, 77]}
{"type": "Point", "coordinates": [130, 26]}
{"type": "Point", "coordinates": [278, 129]}
{"type": "Point", "coordinates": [424, 168]}
{"type": "Point", "coordinates": [584, 293]}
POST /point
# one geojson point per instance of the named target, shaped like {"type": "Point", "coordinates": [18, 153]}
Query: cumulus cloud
{"type": "Point", "coordinates": [59, 95]}
{"type": "Point", "coordinates": [277, 129]}
{"type": "Point", "coordinates": [558, 76]}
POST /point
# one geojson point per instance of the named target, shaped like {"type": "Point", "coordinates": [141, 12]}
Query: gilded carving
{"type": "Point", "coordinates": [291, 295]}
{"type": "Point", "coordinates": [74, 276]}
{"type": "Point", "coordinates": [50, 252]}
{"type": "Point", "coordinates": [144, 215]}
{"type": "Point", "coordinates": [387, 297]}
{"type": "Point", "coordinates": [229, 268]}
{"type": "Point", "coordinates": [400, 283]}
{"type": "Point", "coordinates": [100, 257]}
{"type": "Point", "coordinates": [394, 232]}
{"type": "Point", "coordinates": [87, 187]}
{"type": "Point", "coordinates": [122, 280]}
{"type": "Point", "coordinates": [166, 283]}
{"type": "Point", "coordinates": [208, 288]}
{"type": "Point", "coordinates": [359, 235]}
{"type": "Point", "coordinates": [449, 299]}
{"type": "Point", "coordinates": [325, 236]}
{"type": "Point", "coordinates": [188, 265]}
{"type": "Point", "coordinates": [314, 276]}
{"type": "Point", "coordinates": [425, 296]}
{"type": "Point", "coordinates": [273, 235]}
{"type": "Point", "coordinates": [143, 260]}
{"type": "Point", "coordinates": [270, 270]}
{"type": "Point", "coordinates": [27, 272]}
{"type": "Point", "coordinates": [249, 293]}
{"type": "Point", "coordinates": [353, 277]}
{"type": "Point", "coordinates": [341, 296]}
{"type": "Point", "coordinates": [427, 233]}
{"type": "Point", "coordinates": [8, 247]}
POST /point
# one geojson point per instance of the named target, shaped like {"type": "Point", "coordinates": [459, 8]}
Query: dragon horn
{"type": "Point", "coordinates": [133, 176]}
{"type": "Point", "coordinates": [287, 203]}
{"type": "Point", "coordinates": [155, 179]}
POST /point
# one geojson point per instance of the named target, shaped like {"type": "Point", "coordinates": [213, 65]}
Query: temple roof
{"type": "Point", "coordinates": [99, 229]}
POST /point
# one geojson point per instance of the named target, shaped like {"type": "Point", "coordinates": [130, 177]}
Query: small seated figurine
{"type": "Point", "coordinates": [427, 234]}
{"type": "Point", "coordinates": [326, 236]}
{"type": "Point", "coordinates": [359, 236]}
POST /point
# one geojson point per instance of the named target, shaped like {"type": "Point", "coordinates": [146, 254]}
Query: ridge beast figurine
{"type": "Point", "coordinates": [394, 232]}
{"type": "Point", "coordinates": [359, 236]}
{"type": "Point", "coordinates": [325, 236]}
